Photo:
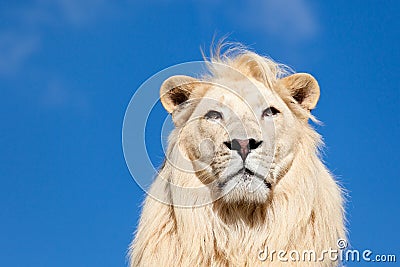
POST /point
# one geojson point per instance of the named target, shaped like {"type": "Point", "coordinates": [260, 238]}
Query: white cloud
{"type": "Point", "coordinates": [291, 21]}
{"type": "Point", "coordinates": [25, 25]}
{"type": "Point", "coordinates": [58, 95]}
{"type": "Point", "coordinates": [22, 34]}
{"type": "Point", "coordinates": [80, 13]}
{"type": "Point", "coordinates": [14, 50]}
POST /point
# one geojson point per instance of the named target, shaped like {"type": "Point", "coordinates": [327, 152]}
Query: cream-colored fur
{"type": "Point", "coordinates": [196, 216]}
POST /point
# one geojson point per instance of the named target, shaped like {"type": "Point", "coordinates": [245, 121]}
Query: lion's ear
{"type": "Point", "coordinates": [176, 90]}
{"type": "Point", "coordinates": [304, 89]}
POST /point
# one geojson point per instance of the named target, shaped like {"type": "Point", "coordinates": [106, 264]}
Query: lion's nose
{"type": "Point", "coordinates": [243, 147]}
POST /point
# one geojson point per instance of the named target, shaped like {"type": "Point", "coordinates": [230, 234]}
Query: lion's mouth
{"type": "Point", "coordinates": [247, 176]}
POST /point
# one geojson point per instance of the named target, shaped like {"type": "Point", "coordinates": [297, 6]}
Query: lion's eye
{"type": "Point", "coordinates": [270, 112]}
{"type": "Point", "coordinates": [213, 115]}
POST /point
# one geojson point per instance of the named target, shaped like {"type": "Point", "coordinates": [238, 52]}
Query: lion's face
{"type": "Point", "coordinates": [239, 136]}
{"type": "Point", "coordinates": [232, 137]}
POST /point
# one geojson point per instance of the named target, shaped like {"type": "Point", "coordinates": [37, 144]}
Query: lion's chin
{"type": "Point", "coordinates": [246, 187]}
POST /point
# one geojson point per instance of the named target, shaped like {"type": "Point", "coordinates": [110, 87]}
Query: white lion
{"type": "Point", "coordinates": [242, 177]}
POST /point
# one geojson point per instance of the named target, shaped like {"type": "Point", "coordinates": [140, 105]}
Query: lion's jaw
{"type": "Point", "coordinates": [223, 169]}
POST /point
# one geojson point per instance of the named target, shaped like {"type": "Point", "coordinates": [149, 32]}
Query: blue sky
{"type": "Point", "coordinates": [68, 69]}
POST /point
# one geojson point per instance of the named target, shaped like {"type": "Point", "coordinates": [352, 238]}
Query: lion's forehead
{"type": "Point", "coordinates": [240, 94]}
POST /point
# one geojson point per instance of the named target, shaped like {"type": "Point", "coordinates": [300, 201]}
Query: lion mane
{"type": "Point", "coordinates": [303, 211]}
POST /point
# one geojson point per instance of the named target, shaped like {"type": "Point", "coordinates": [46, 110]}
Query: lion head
{"type": "Point", "coordinates": [242, 170]}
{"type": "Point", "coordinates": [239, 128]}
